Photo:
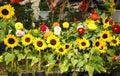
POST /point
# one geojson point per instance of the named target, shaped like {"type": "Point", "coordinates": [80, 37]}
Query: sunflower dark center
{"type": "Point", "coordinates": [27, 40]}
{"type": "Point", "coordinates": [11, 41]}
{"type": "Point", "coordinates": [61, 50]}
{"type": "Point", "coordinates": [101, 48]}
{"type": "Point", "coordinates": [104, 36]}
{"type": "Point", "coordinates": [39, 43]}
{"type": "Point", "coordinates": [53, 42]}
{"type": "Point", "coordinates": [97, 44]}
{"type": "Point", "coordinates": [114, 41]}
{"type": "Point", "coordinates": [83, 43]}
{"type": "Point", "coordinates": [106, 20]}
{"type": "Point", "coordinates": [66, 46]}
{"type": "Point", "coordinates": [5, 12]}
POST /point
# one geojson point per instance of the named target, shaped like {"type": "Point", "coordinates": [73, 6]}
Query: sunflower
{"type": "Point", "coordinates": [61, 50]}
{"type": "Point", "coordinates": [11, 41]}
{"type": "Point", "coordinates": [53, 41]}
{"type": "Point", "coordinates": [6, 11]}
{"type": "Point", "coordinates": [39, 44]}
{"type": "Point", "coordinates": [98, 43]}
{"type": "Point", "coordinates": [77, 43]}
{"type": "Point", "coordinates": [105, 22]}
{"type": "Point", "coordinates": [114, 41]}
{"type": "Point", "coordinates": [67, 46]}
{"type": "Point", "coordinates": [102, 49]}
{"type": "Point", "coordinates": [83, 43]}
{"type": "Point", "coordinates": [27, 39]}
{"type": "Point", "coordinates": [105, 36]}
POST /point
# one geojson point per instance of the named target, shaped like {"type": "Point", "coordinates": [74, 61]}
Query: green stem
{"type": "Point", "coordinates": [63, 7]}
{"type": "Point", "coordinates": [52, 18]}
{"type": "Point", "coordinates": [27, 66]}
{"type": "Point", "coordinates": [12, 64]}
{"type": "Point", "coordinates": [39, 64]}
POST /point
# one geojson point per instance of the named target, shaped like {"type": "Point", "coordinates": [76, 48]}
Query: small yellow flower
{"type": "Point", "coordinates": [112, 4]}
{"type": "Point", "coordinates": [111, 10]}
{"type": "Point", "coordinates": [92, 26]}
{"type": "Point", "coordinates": [88, 21]}
{"type": "Point", "coordinates": [19, 26]}
{"type": "Point", "coordinates": [35, 31]}
{"type": "Point", "coordinates": [65, 25]}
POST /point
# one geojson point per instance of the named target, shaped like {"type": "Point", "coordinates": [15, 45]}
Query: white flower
{"type": "Point", "coordinates": [20, 33]}
{"type": "Point", "coordinates": [57, 30]}
{"type": "Point", "coordinates": [80, 26]}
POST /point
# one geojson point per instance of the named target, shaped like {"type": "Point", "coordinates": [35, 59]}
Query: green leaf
{"type": "Point", "coordinates": [64, 66]}
{"type": "Point", "coordinates": [74, 74]}
{"type": "Point", "coordinates": [34, 60]}
{"type": "Point", "coordinates": [80, 63]}
{"type": "Point", "coordinates": [1, 58]}
{"type": "Point", "coordinates": [2, 35]}
{"type": "Point", "coordinates": [50, 57]}
{"type": "Point", "coordinates": [103, 69]}
{"type": "Point", "coordinates": [74, 61]}
{"type": "Point", "coordinates": [111, 52]}
{"type": "Point", "coordinates": [51, 65]}
{"type": "Point", "coordinates": [26, 50]}
{"type": "Point", "coordinates": [9, 58]}
{"type": "Point", "coordinates": [69, 55]}
{"type": "Point", "coordinates": [90, 69]}
{"type": "Point", "coordinates": [20, 56]}
{"type": "Point", "coordinates": [86, 56]}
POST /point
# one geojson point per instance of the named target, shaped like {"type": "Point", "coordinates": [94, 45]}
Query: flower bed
{"type": "Point", "coordinates": [69, 40]}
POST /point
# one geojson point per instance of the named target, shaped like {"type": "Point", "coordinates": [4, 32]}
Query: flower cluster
{"type": "Point", "coordinates": [62, 45]}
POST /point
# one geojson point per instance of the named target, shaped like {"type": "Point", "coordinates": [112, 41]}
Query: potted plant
{"type": "Point", "coordinates": [10, 56]}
